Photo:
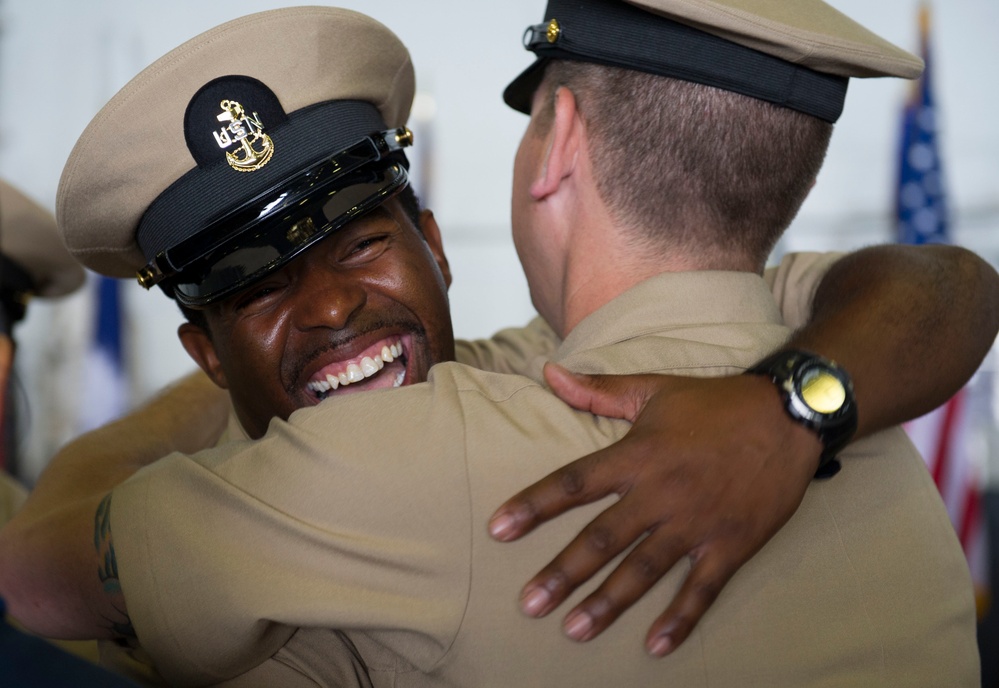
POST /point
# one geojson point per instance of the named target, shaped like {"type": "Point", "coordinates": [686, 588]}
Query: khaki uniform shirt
{"type": "Point", "coordinates": [368, 515]}
{"type": "Point", "coordinates": [12, 496]}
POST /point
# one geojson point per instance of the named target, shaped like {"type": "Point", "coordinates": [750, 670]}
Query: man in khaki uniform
{"type": "Point", "coordinates": [377, 531]}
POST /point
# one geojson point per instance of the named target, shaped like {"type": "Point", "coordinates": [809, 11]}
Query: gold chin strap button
{"type": "Point", "coordinates": [554, 31]}
{"type": "Point", "coordinates": [405, 136]}
{"type": "Point", "coordinates": [146, 278]}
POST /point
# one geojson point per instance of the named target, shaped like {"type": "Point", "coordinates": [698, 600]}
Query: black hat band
{"type": "Point", "coordinates": [205, 194]}
{"type": "Point", "coordinates": [618, 34]}
{"type": "Point", "coordinates": [267, 231]}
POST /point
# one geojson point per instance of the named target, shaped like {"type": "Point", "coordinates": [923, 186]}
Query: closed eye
{"type": "Point", "coordinates": [253, 295]}
{"type": "Point", "coordinates": [367, 248]}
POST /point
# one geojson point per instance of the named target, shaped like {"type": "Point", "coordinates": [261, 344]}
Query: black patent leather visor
{"type": "Point", "coordinates": [264, 234]}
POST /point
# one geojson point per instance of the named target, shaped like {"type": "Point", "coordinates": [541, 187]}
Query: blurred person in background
{"type": "Point", "coordinates": [34, 263]}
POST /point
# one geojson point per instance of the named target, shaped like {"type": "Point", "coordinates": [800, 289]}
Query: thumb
{"type": "Point", "coordinates": [614, 396]}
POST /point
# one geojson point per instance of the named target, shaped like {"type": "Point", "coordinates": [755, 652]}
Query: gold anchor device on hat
{"type": "Point", "coordinates": [247, 131]}
{"type": "Point", "coordinates": [250, 168]}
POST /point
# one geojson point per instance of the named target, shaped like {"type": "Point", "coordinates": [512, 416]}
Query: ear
{"type": "Point", "coordinates": [432, 234]}
{"type": "Point", "coordinates": [565, 138]}
{"type": "Point", "coordinates": [199, 346]}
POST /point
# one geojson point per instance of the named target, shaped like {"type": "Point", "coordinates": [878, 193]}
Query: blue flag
{"type": "Point", "coordinates": [921, 202]}
{"type": "Point", "coordinates": [105, 381]}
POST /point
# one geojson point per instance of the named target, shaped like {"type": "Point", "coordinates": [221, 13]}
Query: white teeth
{"type": "Point", "coordinates": [368, 366]}
{"type": "Point", "coordinates": [319, 386]}
{"type": "Point", "coordinates": [355, 372]}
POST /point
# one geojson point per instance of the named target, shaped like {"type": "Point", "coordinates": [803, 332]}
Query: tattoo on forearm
{"type": "Point", "coordinates": [107, 569]}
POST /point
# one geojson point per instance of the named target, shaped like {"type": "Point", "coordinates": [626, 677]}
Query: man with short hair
{"type": "Point", "coordinates": [373, 509]}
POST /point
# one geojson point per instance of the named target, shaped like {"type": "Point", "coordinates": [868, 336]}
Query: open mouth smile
{"type": "Point", "coordinates": [380, 366]}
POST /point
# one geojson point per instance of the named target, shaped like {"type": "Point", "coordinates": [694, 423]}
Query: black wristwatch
{"type": "Point", "coordinates": [818, 394]}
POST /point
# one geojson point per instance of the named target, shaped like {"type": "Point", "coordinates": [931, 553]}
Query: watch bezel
{"type": "Point", "coordinates": [796, 395]}
{"type": "Point", "coordinates": [786, 369]}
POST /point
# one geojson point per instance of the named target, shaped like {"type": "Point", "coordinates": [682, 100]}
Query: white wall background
{"type": "Point", "coordinates": [60, 60]}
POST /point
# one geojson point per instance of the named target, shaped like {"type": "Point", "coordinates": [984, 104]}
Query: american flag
{"type": "Point", "coordinates": [941, 436]}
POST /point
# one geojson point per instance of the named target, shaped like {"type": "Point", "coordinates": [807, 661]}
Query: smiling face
{"type": "Point", "coordinates": [365, 308]}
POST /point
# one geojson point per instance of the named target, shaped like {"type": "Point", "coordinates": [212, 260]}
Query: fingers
{"type": "Point", "coordinates": [614, 396]}
{"type": "Point", "coordinates": [637, 573]}
{"type": "Point", "coordinates": [590, 478]}
{"type": "Point", "coordinates": [602, 540]}
{"type": "Point", "coordinates": [583, 481]}
{"type": "Point", "coordinates": [634, 576]}
{"type": "Point", "coordinates": [705, 581]}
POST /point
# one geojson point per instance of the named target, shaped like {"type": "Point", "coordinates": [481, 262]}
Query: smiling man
{"type": "Point", "coordinates": [348, 543]}
{"type": "Point", "coordinates": [366, 308]}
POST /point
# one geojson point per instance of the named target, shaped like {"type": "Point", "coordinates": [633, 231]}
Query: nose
{"type": "Point", "coordinates": [326, 297]}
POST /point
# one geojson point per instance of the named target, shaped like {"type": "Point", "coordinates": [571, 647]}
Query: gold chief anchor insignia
{"type": "Point", "coordinates": [255, 147]}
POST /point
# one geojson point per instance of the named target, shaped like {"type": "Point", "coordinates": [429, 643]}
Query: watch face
{"type": "Point", "coordinates": [822, 391]}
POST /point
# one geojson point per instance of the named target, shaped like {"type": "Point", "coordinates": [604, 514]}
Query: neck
{"type": "Point", "coordinates": [581, 256]}
{"type": "Point", "coordinates": [604, 259]}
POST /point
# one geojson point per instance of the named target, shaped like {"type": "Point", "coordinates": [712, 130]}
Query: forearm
{"type": "Point", "coordinates": [53, 572]}
{"type": "Point", "coordinates": [188, 416]}
{"type": "Point", "coordinates": [910, 324]}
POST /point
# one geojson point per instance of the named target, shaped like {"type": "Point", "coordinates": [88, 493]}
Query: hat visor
{"type": "Point", "coordinates": [520, 92]}
{"type": "Point", "coordinates": [260, 249]}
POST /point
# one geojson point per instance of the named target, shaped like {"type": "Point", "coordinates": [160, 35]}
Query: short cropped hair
{"type": "Point", "coordinates": [689, 166]}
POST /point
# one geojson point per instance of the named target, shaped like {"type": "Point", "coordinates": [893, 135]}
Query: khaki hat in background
{"type": "Point", "coordinates": [35, 262]}
{"type": "Point", "coordinates": [203, 172]}
{"type": "Point", "coordinates": [794, 53]}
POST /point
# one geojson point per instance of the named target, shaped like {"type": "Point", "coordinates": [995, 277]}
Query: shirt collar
{"type": "Point", "coordinates": [672, 301]}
